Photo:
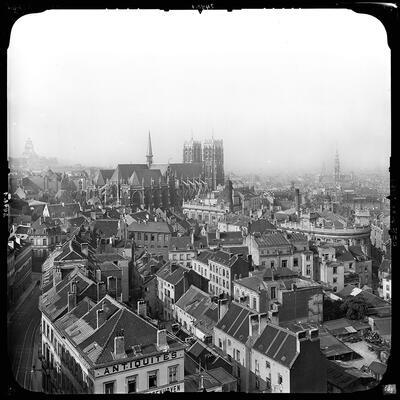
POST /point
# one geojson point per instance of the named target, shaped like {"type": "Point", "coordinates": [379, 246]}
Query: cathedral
{"type": "Point", "coordinates": [148, 185]}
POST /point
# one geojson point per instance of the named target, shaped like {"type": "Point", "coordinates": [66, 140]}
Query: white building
{"type": "Point", "coordinates": [104, 347]}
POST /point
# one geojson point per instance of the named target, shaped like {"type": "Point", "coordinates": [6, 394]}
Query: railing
{"type": "Point", "coordinates": [356, 230]}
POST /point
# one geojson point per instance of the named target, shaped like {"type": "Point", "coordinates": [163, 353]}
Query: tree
{"type": "Point", "coordinates": [354, 307]}
{"type": "Point", "coordinates": [332, 309]}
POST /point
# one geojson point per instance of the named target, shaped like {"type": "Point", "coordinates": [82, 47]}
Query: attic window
{"type": "Point", "coordinates": [223, 326]}
{"type": "Point", "coordinates": [241, 337]}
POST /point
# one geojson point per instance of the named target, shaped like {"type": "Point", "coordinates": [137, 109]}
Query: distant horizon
{"type": "Point", "coordinates": [278, 95]}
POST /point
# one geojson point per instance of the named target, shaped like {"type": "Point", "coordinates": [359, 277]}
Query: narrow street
{"type": "Point", "coordinates": [23, 341]}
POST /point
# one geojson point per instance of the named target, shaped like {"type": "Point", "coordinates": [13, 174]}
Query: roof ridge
{"type": "Point", "coordinates": [111, 332]}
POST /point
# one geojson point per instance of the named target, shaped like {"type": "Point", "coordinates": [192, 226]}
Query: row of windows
{"type": "Point", "coordinates": [152, 237]}
{"type": "Point", "coordinates": [182, 256]}
{"type": "Point", "coordinates": [152, 381]}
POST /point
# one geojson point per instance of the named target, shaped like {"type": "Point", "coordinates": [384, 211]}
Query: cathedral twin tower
{"type": "Point", "coordinates": [210, 154]}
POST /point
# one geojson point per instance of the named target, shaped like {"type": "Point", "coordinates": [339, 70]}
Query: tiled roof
{"type": "Point", "coordinates": [222, 375]}
{"type": "Point", "coordinates": [151, 227]}
{"type": "Point", "coordinates": [172, 273]}
{"type": "Point", "coordinates": [384, 326]}
{"type": "Point", "coordinates": [204, 256]}
{"type": "Point", "coordinates": [343, 377]}
{"type": "Point", "coordinates": [279, 273]}
{"type": "Point", "coordinates": [357, 252]}
{"type": "Point", "coordinates": [106, 227]}
{"type": "Point", "coordinates": [278, 344]}
{"type": "Point", "coordinates": [272, 239]}
{"type": "Point", "coordinates": [236, 322]}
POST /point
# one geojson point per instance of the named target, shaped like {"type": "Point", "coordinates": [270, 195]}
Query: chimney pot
{"type": "Point", "coordinates": [162, 339]}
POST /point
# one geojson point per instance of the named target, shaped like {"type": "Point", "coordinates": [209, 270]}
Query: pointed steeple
{"type": "Point", "coordinates": [149, 154]}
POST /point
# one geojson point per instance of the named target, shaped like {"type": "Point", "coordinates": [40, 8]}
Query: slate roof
{"type": "Point", "coordinates": [184, 243]}
{"type": "Point", "coordinates": [331, 346]}
{"type": "Point", "coordinates": [222, 375]}
{"type": "Point", "coordinates": [261, 225]}
{"type": "Point", "coordinates": [236, 322]}
{"type": "Point", "coordinates": [226, 258]}
{"type": "Point", "coordinates": [102, 176]}
{"type": "Point", "coordinates": [357, 252]}
{"type": "Point", "coordinates": [172, 273]}
{"type": "Point", "coordinates": [22, 230]}
{"type": "Point", "coordinates": [96, 344]}
{"type": "Point", "coordinates": [377, 367]}
{"type": "Point", "coordinates": [106, 227]}
{"type": "Point", "coordinates": [192, 382]}
{"type": "Point", "coordinates": [151, 227]}
{"type": "Point", "coordinates": [297, 237]}
{"type": "Point", "coordinates": [225, 238]}
{"type": "Point", "coordinates": [342, 377]}
{"type": "Point", "coordinates": [124, 171]}
{"type": "Point", "coordinates": [198, 304]}
{"type": "Point", "coordinates": [384, 326]}
{"type": "Point", "coordinates": [243, 250]}
{"type": "Point", "coordinates": [204, 256]}
{"type": "Point", "coordinates": [278, 344]}
{"type": "Point", "coordinates": [54, 302]}
{"type": "Point", "coordinates": [184, 171]}
{"type": "Point", "coordinates": [386, 266]}
{"type": "Point", "coordinates": [278, 273]}
{"type": "Point", "coordinates": [69, 210]}
{"type": "Point", "coordinates": [272, 240]}
{"type": "Point", "coordinates": [146, 176]}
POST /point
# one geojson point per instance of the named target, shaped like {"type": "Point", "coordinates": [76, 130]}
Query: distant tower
{"type": "Point", "coordinates": [337, 167]}
{"type": "Point", "coordinates": [192, 151]}
{"type": "Point", "coordinates": [28, 151]}
{"type": "Point", "coordinates": [149, 154]}
{"type": "Point", "coordinates": [213, 163]}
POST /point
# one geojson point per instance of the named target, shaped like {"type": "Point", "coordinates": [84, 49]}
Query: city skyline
{"type": "Point", "coordinates": [103, 87]}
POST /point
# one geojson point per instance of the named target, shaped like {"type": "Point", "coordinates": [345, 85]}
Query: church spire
{"type": "Point", "coordinates": [149, 154]}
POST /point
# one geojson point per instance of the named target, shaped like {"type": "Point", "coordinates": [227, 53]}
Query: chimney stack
{"type": "Point", "coordinates": [254, 325]}
{"type": "Point", "coordinates": [119, 345]}
{"type": "Point", "coordinates": [85, 249]}
{"type": "Point", "coordinates": [71, 301]}
{"type": "Point", "coordinates": [57, 276]}
{"type": "Point", "coordinates": [142, 308]}
{"type": "Point", "coordinates": [100, 317]}
{"type": "Point", "coordinates": [263, 322]}
{"type": "Point", "coordinates": [217, 234]}
{"type": "Point", "coordinates": [201, 382]}
{"type": "Point", "coordinates": [192, 237]}
{"type": "Point", "coordinates": [98, 275]}
{"type": "Point", "coordinates": [162, 344]}
{"type": "Point", "coordinates": [222, 308]}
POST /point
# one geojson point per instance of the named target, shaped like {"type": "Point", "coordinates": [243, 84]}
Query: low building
{"type": "Point", "coordinates": [281, 294]}
{"type": "Point", "coordinates": [198, 314]}
{"type": "Point", "coordinates": [288, 360]}
{"type": "Point", "coordinates": [221, 268]}
{"type": "Point", "coordinates": [182, 249]}
{"type": "Point", "coordinates": [219, 239]}
{"type": "Point", "coordinates": [173, 280]}
{"type": "Point", "coordinates": [45, 234]}
{"type": "Point", "coordinates": [62, 211]}
{"type": "Point", "coordinates": [152, 236]}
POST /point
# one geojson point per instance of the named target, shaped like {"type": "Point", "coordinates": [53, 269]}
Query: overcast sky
{"type": "Point", "coordinates": [282, 88]}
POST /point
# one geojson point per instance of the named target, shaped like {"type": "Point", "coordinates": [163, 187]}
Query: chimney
{"type": "Point", "coordinates": [162, 344]}
{"type": "Point", "coordinates": [100, 317]}
{"type": "Point", "coordinates": [85, 249]}
{"type": "Point", "coordinates": [254, 325]}
{"type": "Point", "coordinates": [11, 243]}
{"type": "Point", "coordinates": [142, 308]}
{"type": "Point", "coordinates": [98, 275]}
{"type": "Point", "coordinates": [263, 322]}
{"type": "Point", "coordinates": [201, 382]}
{"type": "Point", "coordinates": [313, 333]}
{"type": "Point", "coordinates": [217, 234]}
{"type": "Point", "coordinates": [192, 237]}
{"type": "Point", "coordinates": [119, 345]}
{"type": "Point", "coordinates": [71, 301]}
{"type": "Point", "coordinates": [57, 276]}
{"type": "Point", "coordinates": [250, 261]}
{"type": "Point", "coordinates": [222, 308]}
{"type": "Point", "coordinates": [18, 240]}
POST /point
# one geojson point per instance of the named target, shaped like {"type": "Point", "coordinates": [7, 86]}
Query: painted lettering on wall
{"type": "Point", "coordinates": [175, 388]}
{"type": "Point", "coordinates": [142, 362]}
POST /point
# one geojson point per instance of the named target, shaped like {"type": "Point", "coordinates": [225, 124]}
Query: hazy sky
{"type": "Point", "coordinates": [282, 88]}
